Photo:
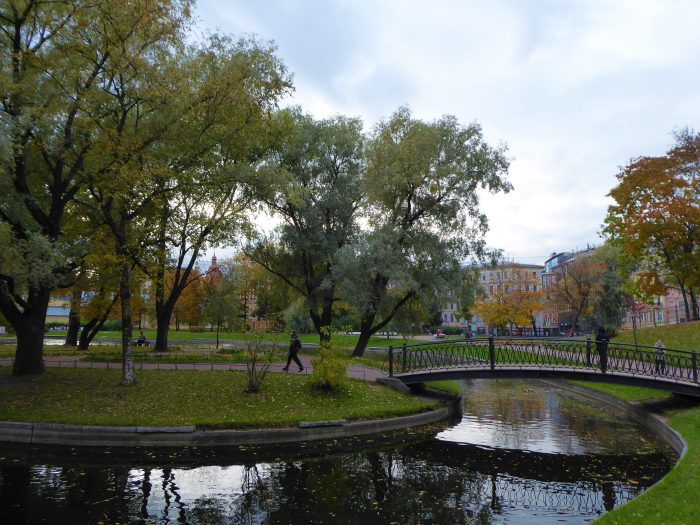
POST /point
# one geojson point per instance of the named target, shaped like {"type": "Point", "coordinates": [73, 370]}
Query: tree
{"type": "Point", "coordinates": [513, 299]}
{"type": "Point", "coordinates": [609, 298]}
{"type": "Point", "coordinates": [422, 186]}
{"type": "Point", "coordinates": [212, 183]}
{"type": "Point", "coordinates": [95, 291]}
{"type": "Point", "coordinates": [315, 170]}
{"type": "Point", "coordinates": [656, 216]}
{"type": "Point", "coordinates": [48, 76]}
{"type": "Point", "coordinates": [220, 306]}
{"type": "Point", "coordinates": [188, 308]}
{"type": "Point", "coordinates": [64, 76]}
{"type": "Point", "coordinates": [576, 287]}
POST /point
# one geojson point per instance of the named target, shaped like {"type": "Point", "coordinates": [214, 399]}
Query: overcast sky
{"type": "Point", "coordinates": [574, 88]}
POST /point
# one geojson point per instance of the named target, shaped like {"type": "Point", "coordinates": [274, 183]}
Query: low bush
{"type": "Point", "coordinates": [448, 330]}
{"type": "Point", "coordinates": [330, 368]}
{"type": "Point", "coordinates": [112, 325]}
{"type": "Point", "coordinates": [197, 329]}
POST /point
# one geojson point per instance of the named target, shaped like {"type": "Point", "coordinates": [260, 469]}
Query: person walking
{"type": "Point", "coordinates": [601, 345]}
{"type": "Point", "coordinates": [659, 357]}
{"type": "Point", "coordinates": [294, 347]}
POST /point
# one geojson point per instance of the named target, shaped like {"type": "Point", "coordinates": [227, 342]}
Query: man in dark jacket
{"type": "Point", "coordinates": [601, 345]}
{"type": "Point", "coordinates": [294, 347]}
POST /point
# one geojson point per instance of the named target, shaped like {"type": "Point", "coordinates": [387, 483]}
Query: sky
{"type": "Point", "coordinates": [574, 88]}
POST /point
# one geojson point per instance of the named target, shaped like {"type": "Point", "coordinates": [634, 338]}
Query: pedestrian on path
{"type": "Point", "coordinates": [601, 344]}
{"type": "Point", "coordinates": [294, 347]}
{"type": "Point", "coordinates": [659, 357]}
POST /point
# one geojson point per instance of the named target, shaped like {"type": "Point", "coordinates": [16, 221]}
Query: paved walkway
{"type": "Point", "coordinates": [355, 371]}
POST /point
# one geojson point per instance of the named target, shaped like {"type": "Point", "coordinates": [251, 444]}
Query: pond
{"type": "Point", "coordinates": [522, 453]}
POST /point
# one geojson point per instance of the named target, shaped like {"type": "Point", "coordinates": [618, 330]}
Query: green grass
{"type": "Point", "coordinates": [675, 498]}
{"type": "Point", "coordinates": [628, 393]}
{"type": "Point", "coordinates": [206, 399]}
{"type": "Point", "coordinates": [684, 336]}
{"type": "Point", "coordinates": [451, 387]}
{"type": "Point", "coordinates": [345, 341]}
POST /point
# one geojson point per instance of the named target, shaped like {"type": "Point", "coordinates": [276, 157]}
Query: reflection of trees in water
{"type": "Point", "coordinates": [521, 412]}
{"type": "Point", "coordinates": [35, 494]}
{"type": "Point", "coordinates": [430, 482]}
{"type": "Point", "coordinates": [381, 487]}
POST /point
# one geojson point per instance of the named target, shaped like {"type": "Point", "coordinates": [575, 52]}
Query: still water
{"type": "Point", "coordinates": [522, 453]}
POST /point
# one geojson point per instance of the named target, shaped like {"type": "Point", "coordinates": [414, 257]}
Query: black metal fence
{"type": "Point", "coordinates": [576, 354]}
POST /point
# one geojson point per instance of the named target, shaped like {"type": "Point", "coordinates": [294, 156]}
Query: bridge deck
{"type": "Point", "coordinates": [673, 370]}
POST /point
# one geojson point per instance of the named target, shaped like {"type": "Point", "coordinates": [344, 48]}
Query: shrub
{"type": "Point", "coordinates": [260, 356]}
{"type": "Point", "coordinates": [197, 329]}
{"type": "Point", "coordinates": [611, 330]}
{"type": "Point", "coordinates": [330, 368]}
{"type": "Point", "coordinates": [112, 325]}
{"type": "Point", "coordinates": [449, 330]}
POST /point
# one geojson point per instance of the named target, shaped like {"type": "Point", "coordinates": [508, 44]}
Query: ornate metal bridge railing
{"type": "Point", "coordinates": [576, 354]}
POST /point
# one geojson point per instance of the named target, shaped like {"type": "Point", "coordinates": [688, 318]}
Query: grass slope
{"type": "Point", "coordinates": [674, 500]}
{"type": "Point", "coordinates": [171, 398]}
{"type": "Point", "coordinates": [684, 336]}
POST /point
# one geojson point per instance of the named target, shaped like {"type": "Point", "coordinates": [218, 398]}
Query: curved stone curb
{"type": "Point", "coordinates": [56, 434]}
{"type": "Point", "coordinates": [646, 418]}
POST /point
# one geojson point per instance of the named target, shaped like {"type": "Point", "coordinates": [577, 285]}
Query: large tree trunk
{"type": "Point", "coordinates": [322, 322]}
{"type": "Point", "coordinates": [128, 372]}
{"type": "Point", "coordinates": [93, 326]}
{"type": "Point", "coordinates": [684, 294]}
{"type": "Point", "coordinates": [163, 316]}
{"type": "Point", "coordinates": [74, 319]}
{"type": "Point", "coordinates": [694, 305]}
{"type": "Point", "coordinates": [29, 326]}
{"type": "Point", "coordinates": [368, 329]}
{"type": "Point", "coordinates": [365, 335]}
{"type": "Point", "coordinates": [88, 333]}
{"type": "Point", "coordinates": [29, 357]}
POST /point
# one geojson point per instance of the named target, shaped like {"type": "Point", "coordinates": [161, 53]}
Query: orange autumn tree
{"type": "Point", "coordinates": [513, 299]}
{"type": "Point", "coordinates": [576, 288]}
{"type": "Point", "coordinates": [656, 218]}
{"type": "Point", "coordinates": [188, 307]}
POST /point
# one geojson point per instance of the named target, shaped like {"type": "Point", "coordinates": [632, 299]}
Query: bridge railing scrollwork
{"type": "Point", "coordinates": [578, 354]}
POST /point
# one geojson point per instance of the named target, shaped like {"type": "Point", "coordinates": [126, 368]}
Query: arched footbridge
{"type": "Point", "coordinates": [520, 358]}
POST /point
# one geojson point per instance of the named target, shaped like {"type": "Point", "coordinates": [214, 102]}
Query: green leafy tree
{"type": "Point", "coordinates": [63, 66]}
{"type": "Point", "coordinates": [211, 182]}
{"type": "Point", "coordinates": [422, 186]}
{"type": "Point", "coordinates": [315, 172]}
{"type": "Point", "coordinates": [609, 298]}
{"type": "Point", "coordinates": [220, 306]}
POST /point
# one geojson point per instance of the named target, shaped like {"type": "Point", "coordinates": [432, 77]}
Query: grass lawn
{"type": "Point", "coordinates": [684, 336]}
{"type": "Point", "coordinates": [207, 399]}
{"type": "Point", "coordinates": [628, 393]}
{"type": "Point", "coordinates": [451, 387]}
{"type": "Point", "coordinates": [675, 498]}
{"type": "Point", "coordinates": [346, 341]}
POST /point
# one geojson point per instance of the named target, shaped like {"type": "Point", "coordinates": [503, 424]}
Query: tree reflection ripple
{"type": "Point", "coordinates": [417, 480]}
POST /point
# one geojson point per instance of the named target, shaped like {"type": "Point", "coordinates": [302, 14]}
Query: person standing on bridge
{"type": "Point", "coordinates": [294, 347]}
{"type": "Point", "coordinates": [601, 345]}
{"type": "Point", "coordinates": [659, 357]}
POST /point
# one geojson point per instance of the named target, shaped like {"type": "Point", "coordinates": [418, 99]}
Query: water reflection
{"type": "Point", "coordinates": [416, 481]}
{"type": "Point", "coordinates": [543, 418]}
